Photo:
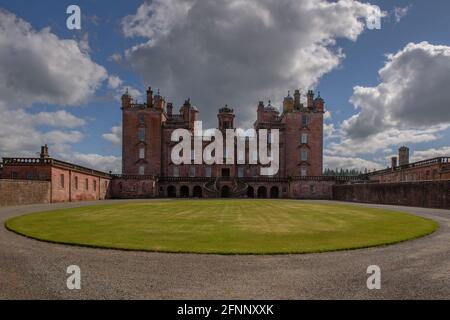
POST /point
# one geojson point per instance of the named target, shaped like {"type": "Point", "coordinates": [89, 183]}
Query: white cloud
{"type": "Point", "coordinates": [58, 119]}
{"type": "Point", "coordinates": [430, 153]}
{"type": "Point", "coordinates": [114, 82]}
{"type": "Point", "coordinates": [401, 12]}
{"type": "Point", "coordinates": [409, 105]}
{"type": "Point", "coordinates": [98, 162]}
{"type": "Point", "coordinates": [241, 51]}
{"type": "Point", "coordinates": [39, 67]}
{"type": "Point", "coordinates": [413, 93]}
{"type": "Point", "coordinates": [333, 162]}
{"type": "Point", "coordinates": [115, 57]}
{"type": "Point", "coordinates": [382, 141]}
{"type": "Point", "coordinates": [328, 130]}
{"type": "Point", "coordinates": [115, 136]}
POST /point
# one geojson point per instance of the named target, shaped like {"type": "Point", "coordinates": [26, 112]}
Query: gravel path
{"type": "Point", "coordinates": [416, 269]}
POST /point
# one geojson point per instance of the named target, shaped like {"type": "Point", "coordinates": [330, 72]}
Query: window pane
{"type": "Point", "coordinates": [141, 134]}
{"type": "Point", "coordinates": [141, 153]}
{"type": "Point", "coordinates": [176, 171]}
{"type": "Point", "coordinates": [141, 170]}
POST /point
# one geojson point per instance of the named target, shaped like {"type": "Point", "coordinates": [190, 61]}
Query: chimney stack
{"type": "Point", "coordinates": [149, 97]}
{"type": "Point", "coordinates": [44, 152]}
{"type": "Point", "coordinates": [394, 162]}
{"type": "Point", "coordinates": [297, 103]}
{"type": "Point", "coordinates": [310, 96]}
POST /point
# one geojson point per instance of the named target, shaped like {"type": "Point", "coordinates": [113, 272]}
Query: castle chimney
{"type": "Point", "coordinates": [288, 103]}
{"type": "Point", "coordinates": [394, 162]}
{"type": "Point", "coordinates": [310, 97]}
{"type": "Point", "coordinates": [44, 152]}
{"type": "Point", "coordinates": [297, 103]}
{"type": "Point", "coordinates": [149, 97]}
{"type": "Point", "coordinates": [169, 109]}
{"type": "Point", "coordinates": [126, 100]}
{"type": "Point", "coordinates": [403, 156]}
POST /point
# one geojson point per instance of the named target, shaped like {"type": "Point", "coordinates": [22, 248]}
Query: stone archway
{"type": "Point", "coordinates": [262, 192]}
{"type": "Point", "coordinates": [197, 192]}
{"type": "Point", "coordinates": [274, 192]}
{"type": "Point", "coordinates": [184, 192]}
{"type": "Point", "coordinates": [225, 192]}
{"type": "Point", "coordinates": [171, 192]}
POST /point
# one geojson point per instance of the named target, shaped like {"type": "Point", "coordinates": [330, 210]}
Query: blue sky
{"type": "Point", "coordinates": [103, 29]}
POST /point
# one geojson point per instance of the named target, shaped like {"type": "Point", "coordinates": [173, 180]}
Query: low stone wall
{"type": "Point", "coordinates": [428, 194]}
{"type": "Point", "coordinates": [132, 188]}
{"type": "Point", "coordinates": [20, 192]}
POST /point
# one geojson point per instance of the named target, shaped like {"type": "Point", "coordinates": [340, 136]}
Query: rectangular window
{"type": "Point", "coordinates": [86, 184]}
{"type": "Point", "coordinates": [76, 183]}
{"type": "Point", "coordinates": [14, 175]}
{"type": "Point", "coordinates": [304, 155]}
{"type": "Point", "coordinates": [240, 172]}
{"type": "Point", "coordinates": [192, 171]}
{"type": "Point", "coordinates": [176, 171]}
{"type": "Point", "coordinates": [61, 181]}
{"type": "Point", "coordinates": [95, 185]}
{"type": "Point", "coordinates": [141, 153]}
{"type": "Point", "coordinates": [30, 176]}
{"type": "Point", "coordinates": [141, 118]}
{"type": "Point", "coordinates": [305, 120]}
{"type": "Point", "coordinates": [141, 134]}
{"type": "Point", "coordinates": [192, 154]}
{"type": "Point", "coordinates": [141, 170]}
{"type": "Point", "coordinates": [304, 138]}
{"type": "Point", "coordinates": [208, 172]}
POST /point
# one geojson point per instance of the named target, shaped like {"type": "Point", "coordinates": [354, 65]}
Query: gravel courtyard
{"type": "Point", "coordinates": [416, 269]}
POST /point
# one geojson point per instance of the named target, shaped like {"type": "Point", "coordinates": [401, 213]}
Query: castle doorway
{"type": "Point", "coordinates": [274, 192]}
{"type": "Point", "coordinates": [250, 192]}
{"type": "Point", "coordinates": [262, 192]}
{"type": "Point", "coordinates": [225, 192]}
{"type": "Point", "coordinates": [197, 192]}
{"type": "Point", "coordinates": [184, 192]}
{"type": "Point", "coordinates": [172, 192]}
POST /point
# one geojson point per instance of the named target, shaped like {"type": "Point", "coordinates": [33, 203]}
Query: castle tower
{"type": "Point", "coordinates": [403, 156]}
{"type": "Point", "coordinates": [226, 118]}
{"type": "Point", "coordinates": [141, 135]}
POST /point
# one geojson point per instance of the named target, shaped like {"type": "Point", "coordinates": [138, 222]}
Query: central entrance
{"type": "Point", "coordinates": [225, 192]}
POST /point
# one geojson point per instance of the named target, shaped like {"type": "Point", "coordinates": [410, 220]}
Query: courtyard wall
{"type": "Point", "coordinates": [21, 192]}
{"type": "Point", "coordinates": [428, 194]}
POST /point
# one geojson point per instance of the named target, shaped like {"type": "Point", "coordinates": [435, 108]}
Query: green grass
{"type": "Point", "coordinates": [223, 226]}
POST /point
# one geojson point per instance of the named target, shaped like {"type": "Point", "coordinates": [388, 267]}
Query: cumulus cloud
{"type": "Point", "coordinates": [430, 153]}
{"type": "Point", "coordinates": [238, 52]}
{"type": "Point", "coordinates": [97, 161]}
{"type": "Point", "coordinates": [19, 135]}
{"type": "Point", "coordinates": [38, 67]}
{"type": "Point", "coordinates": [413, 93]}
{"type": "Point", "coordinates": [409, 105]}
{"type": "Point", "coordinates": [333, 162]}
{"type": "Point", "coordinates": [115, 136]}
